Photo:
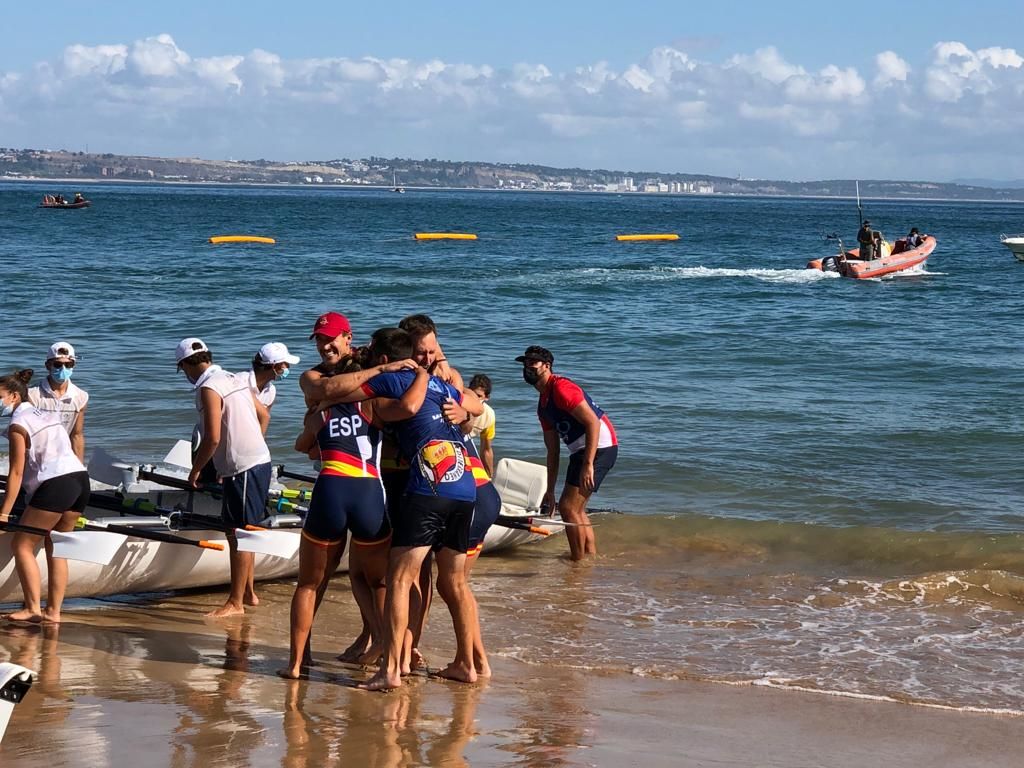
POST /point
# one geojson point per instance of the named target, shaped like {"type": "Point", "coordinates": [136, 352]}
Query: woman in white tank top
{"type": "Point", "coordinates": [56, 486]}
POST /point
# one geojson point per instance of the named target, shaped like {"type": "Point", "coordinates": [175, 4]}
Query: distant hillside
{"type": "Point", "coordinates": [379, 171]}
{"type": "Point", "coordinates": [992, 183]}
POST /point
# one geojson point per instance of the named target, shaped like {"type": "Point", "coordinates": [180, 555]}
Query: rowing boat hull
{"type": "Point", "coordinates": [143, 565]}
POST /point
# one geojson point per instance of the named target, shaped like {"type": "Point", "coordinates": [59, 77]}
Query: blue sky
{"type": "Point", "coordinates": [786, 89]}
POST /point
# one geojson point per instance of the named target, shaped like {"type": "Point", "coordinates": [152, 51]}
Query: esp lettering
{"type": "Point", "coordinates": [344, 426]}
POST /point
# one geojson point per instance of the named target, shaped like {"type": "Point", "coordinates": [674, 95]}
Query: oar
{"type": "Point", "coordinates": [544, 520]}
{"type": "Point", "coordinates": [75, 545]}
{"type": "Point", "coordinates": [522, 525]}
{"type": "Point", "coordinates": [251, 538]}
{"type": "Point", "coordinates": [177, 482]}
{"type": "Point", "coordinates": [136, 533]}
{"type": "Point", "coordinates": [6, 525]}
{"type": "Point", "coordinates": [282, 472]}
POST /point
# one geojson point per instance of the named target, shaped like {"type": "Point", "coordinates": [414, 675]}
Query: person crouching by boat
{"type": "Point", "coordinates": [272, 363]}
{"type": "Point", "coordinates": [567, 412]}
{"type": "Point", "coordinates": [232, 437]}
{"type": "Point", "coordinates": [56, 485]}
{"type": "Point", "coordinates": [58, 394]}
{"type": "Point", "coordinates": [348, 497]}
{"type": "Point", "coordinates": [914, 239]}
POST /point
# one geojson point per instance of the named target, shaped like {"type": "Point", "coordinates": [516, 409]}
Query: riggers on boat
{"type": "Point", "coordinates": [898, 258]}
{"type": "Point", "coordinates": [145, 565]}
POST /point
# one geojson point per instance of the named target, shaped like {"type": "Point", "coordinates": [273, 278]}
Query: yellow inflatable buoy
{"type": "Point", "coordinates": [444, 236]}
{"type": "Point", "coordinates": [241, 239]}
{"type": "Point", "coordinates": [637, 238]}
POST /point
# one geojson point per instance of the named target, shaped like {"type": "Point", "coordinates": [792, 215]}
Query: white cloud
{"type": "Point", "coordinates": [757, 111]}
{"type": "Point", "coordinates": [767, 63]}
{"type": "Point", "coordinates": [891, 69]}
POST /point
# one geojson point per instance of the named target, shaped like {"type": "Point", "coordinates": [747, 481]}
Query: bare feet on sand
{"type": "Point", "coordinates": [415, 661]}
{"type": "Point", "coordinates": [228, 609]}
{"type": "Point", "coordinates": [457, 672]}
{"type": "Point", "coordinates": [382, 681]}
{"type": "Point", "coordinates": [51, 616]}
{"type": "Point", "coordinates": [302, 673]}
{"type": "Point", "coordinates": [24, 615]}
{"type": "Point", "coordinates": [354, 652]}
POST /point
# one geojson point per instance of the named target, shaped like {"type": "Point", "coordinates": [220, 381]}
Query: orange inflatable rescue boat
{"type": "Point", "coordinates": [896, 258]}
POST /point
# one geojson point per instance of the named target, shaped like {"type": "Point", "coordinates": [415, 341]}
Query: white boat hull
{"type": "Point", "coordinates": [1016, 245]}
{"type": "Point", "coordinates": [149, 566]}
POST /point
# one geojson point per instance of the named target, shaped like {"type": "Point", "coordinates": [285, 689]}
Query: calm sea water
{"type": "Point", "coordinates": [821, 476]}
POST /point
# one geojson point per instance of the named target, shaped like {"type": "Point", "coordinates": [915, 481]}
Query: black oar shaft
{"type": "Point", "coordinates": [282, 472]}
{"type": "Point", "coordinates": [138, 533]}
{"type": "Point", "coordinates": [6, 525]}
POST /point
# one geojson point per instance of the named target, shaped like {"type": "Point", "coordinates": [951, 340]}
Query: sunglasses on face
{"type": "Point", "coordinates": [59, 364]}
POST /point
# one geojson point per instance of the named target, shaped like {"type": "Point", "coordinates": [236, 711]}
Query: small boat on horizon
{"type": "Point", "coordinates": [58, 201]}
{"type": "Point", "coordinates": [1015, 243]}
{"type": "Point", "coordinates": [394, 184]}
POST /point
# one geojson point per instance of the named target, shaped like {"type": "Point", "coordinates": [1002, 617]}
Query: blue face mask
{"type": "Point", "coordinates": [6, 409]}
{"type": "Point", "coordinates": [61, 375]}
{"type": "Point", "coordinates": [283, 374]}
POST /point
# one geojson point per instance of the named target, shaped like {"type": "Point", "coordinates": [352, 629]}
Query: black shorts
{"type": "Point", "coordinates": [432, 521]}
{"type": "Point", "coordinates": [395, 482]}
{"type": "Point", "coordinates": [485, 512]}
{"type": "Point", "coordinates": [604, 460]}
{"type": "Point", "coordinates": [342, 504]}
{"type": "Point", "coordinates": [245, 497]}
{"type": "Point", "coordinates": [66, 493]}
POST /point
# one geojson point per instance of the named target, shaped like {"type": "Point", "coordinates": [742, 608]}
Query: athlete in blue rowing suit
{"type": "Point", "coordinates": [348, 496]}
{"type": "Point", "coordinates": [435, 514]}
{"type": "Point", "coordinates": [567, 413]}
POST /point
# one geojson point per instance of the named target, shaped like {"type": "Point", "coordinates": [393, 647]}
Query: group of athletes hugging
{"type": "Point", "coordinates": [390, 425]}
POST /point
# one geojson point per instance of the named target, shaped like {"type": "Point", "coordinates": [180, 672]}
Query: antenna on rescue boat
{"type": "Point", "coordinates": [860, 210]}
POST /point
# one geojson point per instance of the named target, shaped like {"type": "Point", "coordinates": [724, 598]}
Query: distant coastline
{"type": "Point", "coordinates": [61, 184]}
{"type": "Point", "coordinates": [62, 167]}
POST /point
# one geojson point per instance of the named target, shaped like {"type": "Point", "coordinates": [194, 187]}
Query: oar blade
{"type": "Point", "coordinates": [273, 543]}
{"type": "Point", "coordinates": [180, 455]}
{"type": "Point", "coordinates": [91, 546]}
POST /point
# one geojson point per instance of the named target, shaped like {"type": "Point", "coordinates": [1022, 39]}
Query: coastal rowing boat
{"type": "Point", "coordinates": [899, 259]}
{"type": "Point", "coordinates": [142, 565]}
{"type": "Point", "coordinates": [1015, 243]}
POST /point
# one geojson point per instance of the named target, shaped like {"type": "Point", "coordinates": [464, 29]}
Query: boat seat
{"type": "Point", "coordinates": [900, 245]}
{"type": "Point", "coordinates": [520, 483]}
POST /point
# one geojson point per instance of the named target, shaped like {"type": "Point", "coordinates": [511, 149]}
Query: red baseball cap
{"type": "Point", "coordinates": [331, 324]}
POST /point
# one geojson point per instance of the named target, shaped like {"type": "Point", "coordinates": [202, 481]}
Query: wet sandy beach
{"type": "Point", "coordinates": [129, 682]}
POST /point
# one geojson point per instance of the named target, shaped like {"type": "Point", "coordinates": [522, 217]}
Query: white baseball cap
{"type": "Point", "coordinates": [275, 352]}
{"type": "Point", "coordinates": [188, 347]}
{"type": "Point", "coordinates": [61, 349]}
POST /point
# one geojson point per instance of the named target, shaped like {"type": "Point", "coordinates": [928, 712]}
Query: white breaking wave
{"type": "Point", "coordinates": [796, 276]}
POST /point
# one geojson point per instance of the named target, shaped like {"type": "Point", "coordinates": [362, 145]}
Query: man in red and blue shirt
{"type": "Point", "coordinates": [435, 512]}
{"type": "Point", "coordinates": [568, 414]}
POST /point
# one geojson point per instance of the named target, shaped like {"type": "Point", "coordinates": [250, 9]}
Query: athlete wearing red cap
{"type": "Point", "coordinates": [333, 335]}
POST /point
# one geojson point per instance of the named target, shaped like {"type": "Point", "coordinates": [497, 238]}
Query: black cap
{"type": "Point", "coordinates": [865, 222]}
{"type": "Point", "coordinates": [536, 354]}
